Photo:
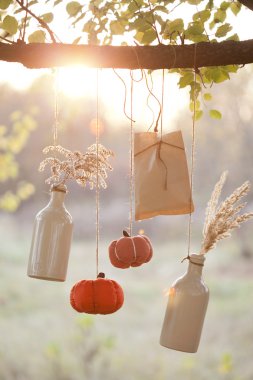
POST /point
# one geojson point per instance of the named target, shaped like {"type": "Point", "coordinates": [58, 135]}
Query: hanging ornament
{"type": "Point", "coordinates": [184, 318]}
{"type": "Point", "coordinates": [51, 239]}
{"type": "Point", "coordinates": [52, 232]}
{"type": "Point", "coordinates": [188, 296]}
{"type": "Point", "coordinates": [53, 226]}
{"type": "Point", "coordinates": [100, 296]}
{"type": "Point", "coordinates": [130, 251]}
{"type": "Point", "coordinates": [162, 185]}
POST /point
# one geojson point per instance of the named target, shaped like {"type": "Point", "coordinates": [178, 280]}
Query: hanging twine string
{"type": "Point", "coordinates": [131, 190]}
{"type": "Point", "coordinates": [56, 120]}
{"type": "Point", "coordinates": [97, 172]}
{"type": "Point", "coordinates": [162, 102]}
{"type": "Point", "coordinates": [161, 140]}
{"type": "Point", "coordinates": [125, 96]}
{"type": "Point", "coordinates": [56, 108]}
{"type": "Point", "coordinates": [192, 156]}
{"type": "Point", "coordinates": [150, 90]}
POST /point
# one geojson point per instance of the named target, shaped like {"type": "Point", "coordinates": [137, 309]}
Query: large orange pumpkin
{"type": "Point", "coordinates": [100, 296]}
{"type": "Point", "coordinates": [130, 251]}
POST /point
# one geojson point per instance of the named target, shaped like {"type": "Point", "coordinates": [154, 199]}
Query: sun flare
{"type": "Point", "coordinates": [77, 82]}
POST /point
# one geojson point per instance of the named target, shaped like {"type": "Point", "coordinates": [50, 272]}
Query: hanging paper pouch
{"type": "Point", "coordinates": [162, 185]}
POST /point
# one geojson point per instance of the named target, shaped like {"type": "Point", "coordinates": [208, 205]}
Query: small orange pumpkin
{"type": "Point", "coordinates": [130, 251]}
{"type": "Point", "coordinates": [100, 296]}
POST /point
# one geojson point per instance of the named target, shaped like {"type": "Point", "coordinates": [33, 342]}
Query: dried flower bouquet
{"type": "Point", "coordinates": [221, 219]}
{"type": "Point", "coordinates": [88, 168]}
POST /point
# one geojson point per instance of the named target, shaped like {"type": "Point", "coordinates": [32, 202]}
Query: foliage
{"type": "Point", "coordinates": [12, 142]}
{"type": "Point", "coordinates": [129, 22]}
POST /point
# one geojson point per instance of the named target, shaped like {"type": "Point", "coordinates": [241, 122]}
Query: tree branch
{"type": "Point", "coordinates": [129, 57]}
{"type": "Point", "coordinates": [42, 23]}
{"type": "Point", "coordinates": [247, 3]}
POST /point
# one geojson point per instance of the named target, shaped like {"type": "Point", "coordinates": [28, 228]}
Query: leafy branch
{"type": "Point", "coordinates": [42, 23]}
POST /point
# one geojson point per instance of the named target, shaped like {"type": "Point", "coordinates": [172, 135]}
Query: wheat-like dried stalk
{"type": "Point", "coordinates": [84, 168]}
{"type": "Point", "coordinates": [221, 220]}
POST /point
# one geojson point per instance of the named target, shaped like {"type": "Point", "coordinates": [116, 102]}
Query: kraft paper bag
{"type": "Point", "coordinates": [162, 185]}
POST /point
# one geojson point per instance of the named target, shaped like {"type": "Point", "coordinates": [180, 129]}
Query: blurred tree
{"type": "Point", "coordinates": [12, 141]}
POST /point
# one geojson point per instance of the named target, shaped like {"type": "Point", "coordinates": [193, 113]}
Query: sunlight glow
{"type": "Point", "coordinates": [80, 82]}
{"type": "Point", "coordinates": [77, 81]}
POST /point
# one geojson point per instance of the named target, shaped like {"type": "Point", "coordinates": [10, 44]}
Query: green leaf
{"type": "Point", "coordinates": [185, 80]}
{"type": "Point", "coordinates": [149, 36]}
{"type": "Point", "coordinates": [210, 5]}
{"type": "Point", "coordinates": [217, 74]}
{"type": "Point", "coordinates": [47, 17]}
{"type": "Point", "coordinates": [220, 16]}
{"type": "Point", "coordinates": [198, 115]}
{"type": "Point", "coordinates": [137, 24]}
{"type": "Point", "coordinates": [139, 36]}
{"type": "Point", "coordinates": [73, 8]}
{"type": "Point", "coordinates": [10, 25]}
{"type": "Point", "coordinates": [207, 96]}
{"type": "Point", "coordinates": [117, 28]}
{"type": "Point", "coordinates": [79, 18]}
{"type": "Point", "coordinates": [202, 16]}
{"type": "Point", "coordinates": [197, 105]}
{"type": "Point", "coordinates": [5, 3]}
{"type": "Point", "coordinates": [176, 25]}
{"type": "Point", "coordinates": [133, 7]}
{"type": "Point", "coordinates": [235, 7]}
{"type": "Point", "coordinates": [194, 2]}
{"type": "Point", "coordinates": [212, 25]}
{"type": "Point", "coordinates": [223, 30]}
{"type": "Point", "coordinates": [32, 3]}
{"type": "Point", "coordinates": [89, 26]}
{"type": "Point", "coordinates": [224, 5]}
{"type": "Point", "coordinates": [195, 90]}
{"type": "Point", "coordinates": [161, 8]}
{"type": "Point", "coordinates": [231, 68]}
{"type": "Point", "coordinates": [215, 114]}
{"type": "Point", "coordinates": [234, 37]}
{"type": "Point", "coordinates": [197, 37]}
{"type": "Point", "coordinates": [76, 40]}
{"type": "Point", "coordinates": [195, 28]}
{"type": "Point", "coordinates": [37, 37]}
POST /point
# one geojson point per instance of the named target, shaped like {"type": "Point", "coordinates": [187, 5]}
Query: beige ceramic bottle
{"type": "Point", "coordinates": [185, 314]}
{"type": "Point", "coordinates": [51, 239]}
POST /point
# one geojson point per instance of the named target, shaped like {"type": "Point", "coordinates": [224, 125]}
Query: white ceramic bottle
{"type": "Point", "coordinates": [185, 314]}
{"type": "Point", "coordinates": [51, 239]}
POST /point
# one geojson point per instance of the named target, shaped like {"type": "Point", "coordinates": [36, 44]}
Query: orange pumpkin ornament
{"type": "Point", "coordinates": [100, 296]}
{"type": "Point", "coordinates": [130, 251]}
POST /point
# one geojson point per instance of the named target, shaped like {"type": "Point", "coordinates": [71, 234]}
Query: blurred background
{"type": "Point", "coordinates": [41, 336]}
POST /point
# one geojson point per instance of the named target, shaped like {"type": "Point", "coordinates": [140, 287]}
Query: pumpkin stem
{"type": "Point", "coordinates": [101, 275]}
{"type": "Point", "coordinates": [126, 234]}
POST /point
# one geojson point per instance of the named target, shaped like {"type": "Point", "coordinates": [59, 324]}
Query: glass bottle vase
{"type": "Point", "coordinates": [51, 241]}
{"type": "Point", "coordinates": [186, 309]}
